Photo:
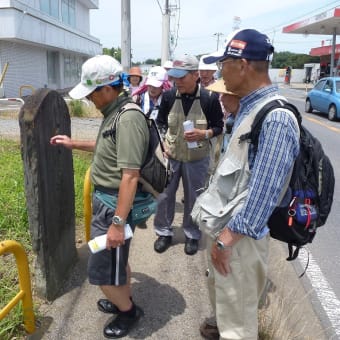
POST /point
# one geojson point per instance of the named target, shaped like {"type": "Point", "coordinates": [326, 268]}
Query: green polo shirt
{"type": "Point", "coordinates": [127, 150]}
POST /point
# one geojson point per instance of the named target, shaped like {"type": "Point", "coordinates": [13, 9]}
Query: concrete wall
{"type": "Point", "coordinates": [278, 75]}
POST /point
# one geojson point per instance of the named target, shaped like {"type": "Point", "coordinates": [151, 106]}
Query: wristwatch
{"type": "Point", "coordinates": [118, 220]}
{"type": "Point", "coordinates": [221, 246]}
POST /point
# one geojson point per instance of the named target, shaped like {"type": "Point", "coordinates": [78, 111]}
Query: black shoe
{"type": "Point", "coordinates": [162, 244]}
{"type": "Point", "coordinates": [191, 246]}
{"type": "Point", "coordinates": [107, 306]}
{"type": "Point", "coordinates": [122, 325]}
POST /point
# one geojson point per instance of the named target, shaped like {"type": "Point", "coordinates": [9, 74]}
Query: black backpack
{"type": "Point", "coordinates": [155, 172]}
{"type": "Point", "coordinates": [311, 185]}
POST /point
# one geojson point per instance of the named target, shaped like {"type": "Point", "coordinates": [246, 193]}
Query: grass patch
{"type": "Point", "coordinates": [14, 225]}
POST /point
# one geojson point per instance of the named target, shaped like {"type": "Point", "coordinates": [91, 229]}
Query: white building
{"type": "Point", "coordinates": [43, 43]}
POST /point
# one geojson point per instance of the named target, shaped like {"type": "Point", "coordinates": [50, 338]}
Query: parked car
{"type": "Point", "coordinates": [325, 97]}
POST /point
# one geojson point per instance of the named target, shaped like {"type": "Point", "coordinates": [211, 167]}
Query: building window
{"type": "Point", "coordinates": [72, 69]}
{"type": "Point", "coordinates": [68, 12]}
{"type": "Point", "coordinates": [50, 7]}
{"type": "Point", "coordinates": [52, 67]}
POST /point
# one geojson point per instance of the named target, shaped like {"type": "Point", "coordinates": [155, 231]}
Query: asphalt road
{"type": "Point", "coordinates": [322, 279]}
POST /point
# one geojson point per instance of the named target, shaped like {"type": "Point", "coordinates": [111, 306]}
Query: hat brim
{"type": "Point", "coordinates": [81, 91]}
{"type": "Point", "coordinates": [219, 87]}
{"type": "Point", "coordinates": [153, 82]}
{"type": "Point", "coordinates": [177, 73]}
{"type": "Point", "coordinates": [212, 59]}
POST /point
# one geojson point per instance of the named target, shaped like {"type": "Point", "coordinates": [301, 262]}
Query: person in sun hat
{"type": "Point", "coordinates": [206, 71]}
{"type": "Point", "coordinates": [114, 175]}
{"type": "Point", "coordinates": [238, 251]}
{"type": "Point", "coordinates": [149, 96]}
{"type": "Point", "coordinates": [231, 103]}
{"type": "Point", "coordinates": [187, 101]}
{"type": "Point", "coordinates": [135, 78]}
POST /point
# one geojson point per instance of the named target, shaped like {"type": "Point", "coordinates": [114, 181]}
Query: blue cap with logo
{"type": "Point", "coordinates": [248, 44]}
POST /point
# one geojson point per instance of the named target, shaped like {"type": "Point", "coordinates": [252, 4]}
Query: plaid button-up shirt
{"type": "Point", "coordinates": [277, 149]}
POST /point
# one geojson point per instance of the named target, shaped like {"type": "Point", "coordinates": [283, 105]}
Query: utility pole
{"type": "Point", "coordinates": [126, 34]}
{"type": "Point", "coordinates": [218, 39]}
{"type": "Point", "coordinates": [166, 33]}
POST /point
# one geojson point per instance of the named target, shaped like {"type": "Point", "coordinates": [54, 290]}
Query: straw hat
{"type": "Point", "coordinates": [218, 86]}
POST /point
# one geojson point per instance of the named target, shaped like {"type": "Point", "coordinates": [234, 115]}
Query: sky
{"type": "Point", "coordinates": [200, 26]}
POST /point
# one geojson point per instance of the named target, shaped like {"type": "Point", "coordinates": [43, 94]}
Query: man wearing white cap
{"type": "Point", "coordinates": [206, 72]}
{"type": "Point", "coordinates": [248, 184]}
{"type": "Point", "coordinates": [185, 103]}
{"type": "Point", "coordinates": [114, 174]}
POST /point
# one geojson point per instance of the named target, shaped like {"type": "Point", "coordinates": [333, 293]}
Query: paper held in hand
{"type": "Point", "coordinates": [99, 242]}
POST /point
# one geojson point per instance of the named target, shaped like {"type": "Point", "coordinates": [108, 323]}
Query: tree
{"type": "Point", "coordinates": [113, 52]}
{"type": "Point", "coordinates": [284, 59]}
{"type": "Point", "coordinates": [156, 62]}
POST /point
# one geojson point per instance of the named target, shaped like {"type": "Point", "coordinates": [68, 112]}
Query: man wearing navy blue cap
{"type": "Point", "coordinates": [187, 101]}
{"type": "Point", "coordinates": [252, 183]}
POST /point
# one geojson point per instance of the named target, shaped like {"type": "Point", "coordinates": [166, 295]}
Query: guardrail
{"type": "Point", "coordinates": [12, 100]}
{"type": "Point", "coordinates": [87, 204]}
{"type": "Point", "coordinates": [25, 293]}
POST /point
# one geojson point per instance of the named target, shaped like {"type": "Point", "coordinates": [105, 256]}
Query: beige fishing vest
{"type": "Point", "coordinates": [228, 187]}
{"type": "Point", "coordinates": [174, 138]}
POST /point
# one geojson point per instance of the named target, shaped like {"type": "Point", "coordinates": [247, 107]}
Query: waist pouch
{"type": "Point", "coordinates": [144, 205]}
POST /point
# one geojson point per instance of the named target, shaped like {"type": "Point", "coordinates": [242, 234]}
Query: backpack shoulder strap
{"type": "Point", "coordinates": [112, 131]}
{"type": "Point", "coordinates": [253, 135]}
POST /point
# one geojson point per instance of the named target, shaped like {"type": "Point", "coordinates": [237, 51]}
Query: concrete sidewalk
{"type": "Point", "coordinates": [171, 289]}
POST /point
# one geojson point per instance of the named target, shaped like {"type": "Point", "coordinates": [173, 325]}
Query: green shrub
{"type": "Point", "coordinates": [76, 108]}
{"type": "Point", "coordinates": [14, 225]}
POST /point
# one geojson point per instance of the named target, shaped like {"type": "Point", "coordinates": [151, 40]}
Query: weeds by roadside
{"type": "Point", "coordinates": [14, 225]}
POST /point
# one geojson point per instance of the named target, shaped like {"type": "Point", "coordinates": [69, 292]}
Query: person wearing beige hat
{"type": "Point", "coordinates": [231, 103]}
{"type": "Point", "coordinates": [114, 175]}
{"type": "Point", "coordinates": [188, 149]}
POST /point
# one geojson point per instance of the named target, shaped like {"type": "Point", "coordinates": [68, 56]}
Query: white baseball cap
{"type": "Point", "coordinates": [156, 77]}
{"type": "Point", "coordinates": [97, 71]}
{"type": "Point", "coordinates": [167, 64]}
{"type": "Point", "coordinates": [203, 66]}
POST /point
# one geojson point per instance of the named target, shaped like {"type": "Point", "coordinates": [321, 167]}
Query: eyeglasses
{"type": "Point", "coordinates": [225, 61]}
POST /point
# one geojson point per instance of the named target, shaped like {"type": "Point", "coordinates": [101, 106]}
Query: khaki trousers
{"type": "Point", "coordinates": [235, 297]}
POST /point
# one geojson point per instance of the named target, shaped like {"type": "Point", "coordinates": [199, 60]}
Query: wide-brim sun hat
{"type": "Point", "coordinates": [219, 87]}
{"type": "Point", "coordinates": [97, 71]}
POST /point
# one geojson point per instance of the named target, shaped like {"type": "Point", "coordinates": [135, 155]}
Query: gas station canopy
{"type": "Point", "coordinates": [325, 23]}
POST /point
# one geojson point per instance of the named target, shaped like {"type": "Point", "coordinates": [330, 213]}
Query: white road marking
{"type": "Point", "coordinates": [329, 301]}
